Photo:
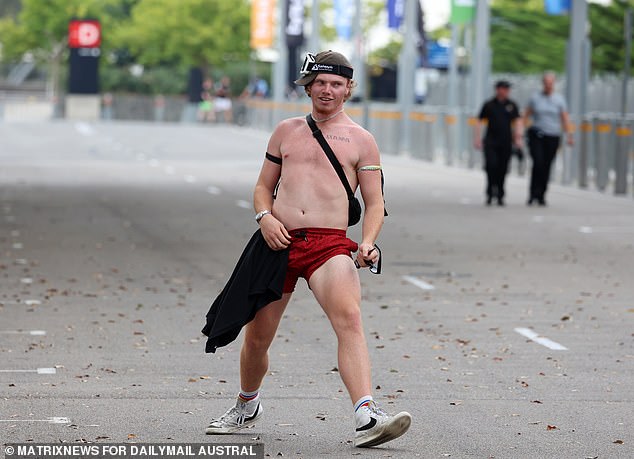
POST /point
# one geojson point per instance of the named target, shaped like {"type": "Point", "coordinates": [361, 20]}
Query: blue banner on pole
{"type": "Point", "coordinates": [395, 11]}
{"type": "Point", "coordinates": [557, 6]}
{"type": "Point", "coordinates": [344, 12]}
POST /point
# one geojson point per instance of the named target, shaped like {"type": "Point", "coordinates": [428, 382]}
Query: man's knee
{"type": "Point", "coordinates": [347, 320]}
{"type": "Point", "coordinates": [258, 339]}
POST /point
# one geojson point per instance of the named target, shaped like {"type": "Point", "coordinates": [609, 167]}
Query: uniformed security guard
{"type": "Point", "coordinates": [504, 130]}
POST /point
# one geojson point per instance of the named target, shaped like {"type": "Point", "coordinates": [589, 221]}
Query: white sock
{"type": "Point", "coordinates": [247, 397]}
{"type": "Point", "coordinates": [362, 401]}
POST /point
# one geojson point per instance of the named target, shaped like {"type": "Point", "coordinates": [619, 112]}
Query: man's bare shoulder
{"type": "Point", "coordinates": [362, 136]}
{"type": "Point", "coordinates": [290, 124]}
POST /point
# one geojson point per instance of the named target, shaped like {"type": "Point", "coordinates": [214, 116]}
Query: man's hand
{"type": "Point", "coordinates": [367, 255]}
{"type": "Point", "coordinates": [570, 139]}
{"type": "Point", "coordinates": [274, 233]}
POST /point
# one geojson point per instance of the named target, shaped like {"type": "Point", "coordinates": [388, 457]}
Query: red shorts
{"type": "Point", "coordinates": [312, 247]}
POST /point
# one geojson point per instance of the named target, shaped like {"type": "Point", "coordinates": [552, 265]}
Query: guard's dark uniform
{"type": "Point", "coordinates": [498, 143]}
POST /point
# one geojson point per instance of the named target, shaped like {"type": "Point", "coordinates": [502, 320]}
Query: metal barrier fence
{"type": "Point", "coordinates": [602, 160]}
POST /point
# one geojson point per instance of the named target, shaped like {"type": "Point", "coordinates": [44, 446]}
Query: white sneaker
{"type": "Point", "coordinates": [375, 426]}
{"type": "Point", "coordinates": [237, 417]}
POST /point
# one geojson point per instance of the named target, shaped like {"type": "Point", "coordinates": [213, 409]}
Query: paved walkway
{"type": "Point", "coordinates": [506, 332]}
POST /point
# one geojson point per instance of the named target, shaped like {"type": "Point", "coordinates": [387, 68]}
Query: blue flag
{"type": "Point", "coordinates": [344, 12]}
{"type": "Point", "coordinates": [395, 11]}
{"type": "Point", "coordinates": [557, 6]}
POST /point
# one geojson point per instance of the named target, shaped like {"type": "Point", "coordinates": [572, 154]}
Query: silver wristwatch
{"type": "Point", "coordinates": [261, 214]}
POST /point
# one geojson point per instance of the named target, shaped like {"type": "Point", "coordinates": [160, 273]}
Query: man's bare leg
{"type": "Point", "coordinates": [336, 286]}
{"type": "Point", "coordinates": [254, 363]}
{"type": "Point", "coordinates": [337, 289]}
{"type": "Point", "coordinates": [254, 356]}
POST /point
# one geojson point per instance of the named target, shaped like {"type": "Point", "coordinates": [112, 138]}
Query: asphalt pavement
{"type": "Point", "coordinates": [507, 332]}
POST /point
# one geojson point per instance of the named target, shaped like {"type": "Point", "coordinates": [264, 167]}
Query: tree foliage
{"type": "Point", "coordinates": [524, 39]}
{"type": "Point", "coordinates": [187, 33]}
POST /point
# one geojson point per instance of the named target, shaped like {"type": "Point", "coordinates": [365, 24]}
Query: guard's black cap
{"type": "Point", "coordinates": [502, 84]}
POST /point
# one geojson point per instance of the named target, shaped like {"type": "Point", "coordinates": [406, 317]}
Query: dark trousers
{"type": "Point", "coordinates": [496, 165]}
{"type": "Point", "coordinates": [543, 149]}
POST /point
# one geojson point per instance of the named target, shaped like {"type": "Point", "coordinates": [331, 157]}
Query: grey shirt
{"type": "Point", "coordinates": [546, 111]}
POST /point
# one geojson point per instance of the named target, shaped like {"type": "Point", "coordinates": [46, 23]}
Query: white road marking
{"type": "Point", "coordinates": [21, 261]}
{"type": "Point", "coordinates": [189, 178]}
{"type": "Point", "coordinates": [32, 302]}
{"type": "Point", "coordinates": [39, 371]}
{"type": "Point", "coordinates": [23, 332]}
{"type": "Point", "coordinates": [154, 162]}
{"type": "Point", "coordinates": [169, 170]}
{"type": "Point", "coordinates": [213, 190]}
{"type": "Point", "coordinates": [84, 129]}
{"type": "Point", "coordinates": [419, 283]}
{"type": "Point", "coordinates": [606, 229]}
{"type": "Point", "coordinates": [243, 204]}
{"type": "Point", "coordinates": [17, 245]}
{"type": "Point", "coordinates": [53, 420]}
{"type": "Point", "coordinates": [533, 336]}
{"type": "Point", "coordinates": [538, 218]}
{"type": "Point", "coordinates": [26, 280]}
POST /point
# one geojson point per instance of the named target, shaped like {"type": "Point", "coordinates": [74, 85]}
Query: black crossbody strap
{"type": "Point", "coordinates": [330, 154]}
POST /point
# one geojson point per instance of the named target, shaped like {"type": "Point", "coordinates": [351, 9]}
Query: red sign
{"type": "Point", "coordinates": [84, 34]}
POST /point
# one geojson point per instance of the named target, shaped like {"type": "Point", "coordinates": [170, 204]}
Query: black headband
{"type": "Point", "coordinates": [315, 67]}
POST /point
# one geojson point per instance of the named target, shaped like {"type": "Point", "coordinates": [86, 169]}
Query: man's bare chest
{"type": "Point", "coordinates": [307, 150]}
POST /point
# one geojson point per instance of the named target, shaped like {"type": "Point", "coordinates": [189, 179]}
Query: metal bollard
{"type": "Point", "coordinates": [472, 122]}
{"type": "Point", "coordinates": [623, 140]}
{"type": "Point", "coordinates": [603, 139]}
{"type": "Point", "coordinates": [584, 152]}
{"type": "Point", "coordinates": [418, 134]}
{"type": "Point", "coordinates": [451, 121]}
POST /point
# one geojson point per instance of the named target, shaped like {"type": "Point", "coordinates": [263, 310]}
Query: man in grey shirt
{"type": "Point", "coordinates": [550, 119]}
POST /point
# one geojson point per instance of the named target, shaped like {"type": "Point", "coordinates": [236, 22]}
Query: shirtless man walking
{"type": "Point", "coordinates": [309, 216]}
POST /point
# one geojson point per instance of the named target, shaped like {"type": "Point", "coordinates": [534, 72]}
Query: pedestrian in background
{"type": "Point", "coordinates": [503, 132]}
{"type": "Point", "coordinates": [549, 113]}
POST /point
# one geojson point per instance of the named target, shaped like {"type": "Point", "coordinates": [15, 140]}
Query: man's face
{"type": "Point", "coordinates": [502, 92]}
{"type": "Point", "coordinates": [329, 91]}
{"type": "Point", "coordinates": [549, 83]}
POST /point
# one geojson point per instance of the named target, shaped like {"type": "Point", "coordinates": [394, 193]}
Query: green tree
{"type": "Point", "coordinates": [41, 29]}
{"type": "Point", "coordinates": [607, 36]}
{"type": "Point", "coordinates": [524, 39]}
{"type": "Point", "coordinates": [198, 33]}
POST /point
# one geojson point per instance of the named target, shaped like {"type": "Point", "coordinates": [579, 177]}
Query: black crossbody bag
{"type": "Point", "coordinates": [354, 206]}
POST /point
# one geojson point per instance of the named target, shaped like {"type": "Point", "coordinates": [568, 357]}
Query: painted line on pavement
{"type": "Point", "coordinates": [23, 332]}
{"type": "Point", "coordinates": [26, 302]}
{"type": "Point", "coordinates": [53, 420]}
{"type": "Point", "coordinates": [533, 336]}
{"type": "Point", "coordinates": [39, 371]}
{"type": "Point", "coordinates": [419, 283]}
{"type": "Point", "coordinates": [213, 190]}
{"type": "Point", "coordinates": [84, 128]}
{"type": "Point", "coordinates": [606, 229]}
{"type": "Point", "coordinates": [190, 178]}
{"type": "Point", "coordinates": [243, 204]}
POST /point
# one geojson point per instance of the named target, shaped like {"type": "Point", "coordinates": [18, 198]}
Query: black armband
{"type": "Point", "coordinates": [275, 159]}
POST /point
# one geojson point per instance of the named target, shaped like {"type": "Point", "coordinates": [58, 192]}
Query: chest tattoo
{"type": "Point", "coordinates": [339, 138]}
